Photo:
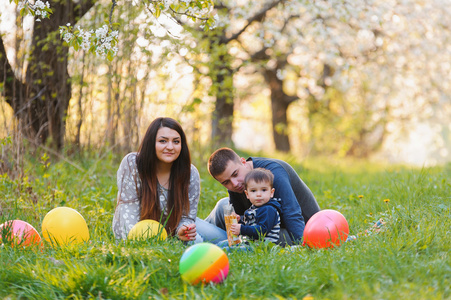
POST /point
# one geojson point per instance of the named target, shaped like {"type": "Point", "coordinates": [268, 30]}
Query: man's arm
{"type": "Point", "coordinates": [292, 218]}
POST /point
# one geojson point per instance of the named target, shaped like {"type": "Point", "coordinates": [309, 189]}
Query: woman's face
{"type": "Point", "coordinates": [168, 145]}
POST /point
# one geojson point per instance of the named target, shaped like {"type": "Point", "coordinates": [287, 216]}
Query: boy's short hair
{"type": "Point", "coordinates": [259, 175]}
{"type": "Point", "coordinates": [218, 161]}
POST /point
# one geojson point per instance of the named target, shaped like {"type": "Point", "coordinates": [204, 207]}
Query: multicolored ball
{"type": "Point", "coordinates": [204, 262]}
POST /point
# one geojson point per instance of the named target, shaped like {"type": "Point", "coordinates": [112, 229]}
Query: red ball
{"type": "Point", "coordinates": [18, 232]}
{"type": "Point", "coordinates": [326, 229]}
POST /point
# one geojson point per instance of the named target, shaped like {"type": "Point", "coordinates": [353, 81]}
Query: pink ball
{"type": "Point", "coordinates": [19, 232]}
{"type": "Point", "coordinates": [326, 229]}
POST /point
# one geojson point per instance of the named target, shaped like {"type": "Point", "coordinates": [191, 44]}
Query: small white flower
{"type": "Point", "coordinates": [67, 37]}
{"type": "Point", "coordinates": [39, 4]}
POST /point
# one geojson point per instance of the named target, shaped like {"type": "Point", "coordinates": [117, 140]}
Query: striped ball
{"type": "Point", "coordinates": [204, 262]}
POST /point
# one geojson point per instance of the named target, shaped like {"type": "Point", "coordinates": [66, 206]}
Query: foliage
{"type": "Point", "coordinates": [102, 43]}
{"type": "Point", "coordinates": [359, 69]}
{"type": "Point", "coordinates": [38, 9]}
{"type": "Point", "coordinates": [408, 259]}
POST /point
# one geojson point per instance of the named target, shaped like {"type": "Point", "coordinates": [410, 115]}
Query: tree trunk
{"type": "Point", "coordinates": [222, 119]}
{"type": "Point", "coordinates": [279, 106]}
{"type": "Point", "coordinates": [80, 104]}
{"type": "Point", "coordinates": [40, 103]}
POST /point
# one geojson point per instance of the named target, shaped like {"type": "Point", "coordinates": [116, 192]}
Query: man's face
{"type": "Point", "coordinates": [233, 177]}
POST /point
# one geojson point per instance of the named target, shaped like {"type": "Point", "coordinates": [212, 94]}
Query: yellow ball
{"type": "Point", "coordinates": [146, 229]}
{"type": "Point", "coordinates": [64, 225]}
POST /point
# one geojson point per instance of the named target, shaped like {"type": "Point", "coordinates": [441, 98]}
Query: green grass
{"type": "Point", "coordinates": [408, 259]}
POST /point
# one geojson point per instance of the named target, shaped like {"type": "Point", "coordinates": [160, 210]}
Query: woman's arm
{"type": "Point", "coordinates": [127, 212]}
{"type": "Point", "coordinates": [186, 225]}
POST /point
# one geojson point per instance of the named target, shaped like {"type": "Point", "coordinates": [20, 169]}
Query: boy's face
{"type": "Point", "coordinates": [259, 193]}
{"type": "Point", "coordinates": [233, 176]}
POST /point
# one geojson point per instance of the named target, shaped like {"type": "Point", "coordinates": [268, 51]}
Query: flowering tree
{"type": "Point", "coordinates": [310, 32]}
{"type": "Point", "coordinates": [211, 56]}
{"type": "Point", "coordinates": [265, 35]}
{"type": "Point", "coordinates": [350, 62]}
{"type": "Point", "coordinates": [40, 100]}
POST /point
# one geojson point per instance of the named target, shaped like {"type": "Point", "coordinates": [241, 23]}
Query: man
{"type": "Point", "coordinates": [298, 202]}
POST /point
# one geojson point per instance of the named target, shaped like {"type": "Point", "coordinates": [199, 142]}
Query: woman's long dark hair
{"type": "Point", "coordinates": [178, 201]}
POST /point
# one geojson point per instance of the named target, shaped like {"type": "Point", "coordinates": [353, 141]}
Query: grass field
{"type": "Point", "coordinates": [408, 259]}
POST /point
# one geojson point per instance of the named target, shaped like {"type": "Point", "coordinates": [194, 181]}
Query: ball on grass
{"type": "Point", "coordinates": [64, 225]}
{"type": "Point", "coordinates": [326, 229]}
{"type": "Point", "coordinates": [18, 232]}
{"type": "Point", "coordinates": [146, 229]}
{"type": "Point", "coordinates": [204, 262]}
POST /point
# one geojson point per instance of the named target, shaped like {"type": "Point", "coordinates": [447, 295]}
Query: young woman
{"type": "Point", "coordinates": [159, 182]}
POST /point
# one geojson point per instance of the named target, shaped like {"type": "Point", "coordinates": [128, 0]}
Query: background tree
{"type": "Point", "coordinates": [217, 63]}
{"type": "Point", "coordinates": [358, 69]}
{"type": "Point", "coordinates": [40, 100]}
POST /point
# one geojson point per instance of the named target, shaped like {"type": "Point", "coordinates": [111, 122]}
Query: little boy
{"type": "Point", "coordinates": [262, 219]}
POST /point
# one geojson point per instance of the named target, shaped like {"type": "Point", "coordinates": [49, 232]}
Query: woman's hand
{"type": "Point", "coordinates": [187, 232]}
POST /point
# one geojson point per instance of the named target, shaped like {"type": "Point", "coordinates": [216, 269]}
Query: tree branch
{"type": "Point", "coordinates": [12, 87]}
{"type": "Point", "coordinates": [113, 5]}
{"type": "Point", "coordinates": [81, 9]}
{"type": "Point", "coordinates": [255, 18]}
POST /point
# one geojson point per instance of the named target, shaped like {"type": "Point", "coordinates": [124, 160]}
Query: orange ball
{"type": "Point", "coordinates": [19, 232]}
{"type": "Point", "coordinates": [326, 229]}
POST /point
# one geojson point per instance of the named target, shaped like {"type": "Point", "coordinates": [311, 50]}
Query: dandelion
{"type": "Point", "coordinates": [386, 200]}
{"type": "Point", "coordinates": [360, 196]}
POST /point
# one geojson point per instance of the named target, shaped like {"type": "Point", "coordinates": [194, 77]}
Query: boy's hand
{"type": "Point", "coordinates": [237, 216]}
{"type": "Point", "coordinates": [235, 229]}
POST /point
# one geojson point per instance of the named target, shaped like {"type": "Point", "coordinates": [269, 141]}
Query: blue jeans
{"type": "Point", "coordinates": [209, 232]}
{"type": "Point", "coordinates": [216, 216]}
